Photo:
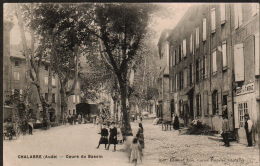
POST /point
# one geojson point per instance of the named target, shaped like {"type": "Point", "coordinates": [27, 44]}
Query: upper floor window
{"type": "Point", "coordinates": [198, 104]}
{"type": "Point", "coordinates": [46, 67]}
{"type": "Point", "coordinates": [16, 76]}
{"type": "Point", "coordinates": [173, 57]}
{"type": "Point", "coordinates": [197, 37]}
{"type": "Point", "coordinates": [181, 80]}
{"type": "Point", "coordinates": [190, 75]}
{"type": "Point", "coordinates": [180, 53]}
{"type": "Point", "coordinates": [191, 44]}
{"type": "Point", "coordinates": [46, 80]}
{"type": "Point", "coordinates": [213, 20]}
{"type": "Point", "coordinates": [53, 98]}
{"type": "Point", "coordinates": [222, 13]}
{"type": "Point", "coordinates": [16, 63]}
{"type": "Point", "coordinates": [238, 15]}
{"type": "Point", "coordinates": [214, 62]}
{"type": "Point", "coordinates": [73, 98]}
{"type": "Point", "coordinates": [197, 71]}
{"type": "Point", "coordinates": [184, 47]}
{"type": "Point", "coordinates": [176, 82]}
{"type": "Point", "coordinates": [215, 102]}
{"type": "Point", "coordinates": [204, 34]}
{"type": "Point", "coordinates": [257, 56]}
{"type": "Point", "coordinates": [53, 81]}
{"type": "Point", "coordinates": [224, 54]}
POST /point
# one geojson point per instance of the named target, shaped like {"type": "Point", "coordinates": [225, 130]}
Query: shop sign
{"type": "Point", "coordinates": [249, 88]}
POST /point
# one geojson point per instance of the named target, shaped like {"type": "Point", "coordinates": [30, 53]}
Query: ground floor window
{"type": "Point", "coordinates": [198, 104]}
{"type": "Point", "coordinates": [242, 110]}
{"type": "Point", "coordinates": [215, 102]}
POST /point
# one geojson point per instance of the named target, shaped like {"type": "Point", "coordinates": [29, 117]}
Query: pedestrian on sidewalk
{"type": "Point", "coordinates": [136, 151]}
{"type": "Point", "coordinates": [225, 128]}
{"type": "Point", "coordinates": [30, 126]}
{"type": "Point", "coordinates": [248, 128]}
{"type": "Point", "coordinates": [104, 134]}
{"type": "Point", "coordinates": [176, 123]}
{"type": "Point", "coordinates": [140, 135]}
{"type": "Point", "coordinates": [112, 136]}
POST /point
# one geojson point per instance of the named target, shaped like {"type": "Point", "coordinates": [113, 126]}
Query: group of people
{"type": "Point", "coordinates": [226, 130]}
{"type": "Point", "coordinates": [114, 136]}
{"type": "Point", "coordinates": [75, 119]}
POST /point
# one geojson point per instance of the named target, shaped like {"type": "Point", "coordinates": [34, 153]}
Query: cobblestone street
{"type": "Point", "coordinates": [161, 148]}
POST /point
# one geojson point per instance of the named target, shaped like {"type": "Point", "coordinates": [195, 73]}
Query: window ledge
{"type": "Point", "coordinates": [213, 31]}
{"type": "Point", "coordinates": [225, 68]}
{"type": "Point", "coordinates": [223, 22]}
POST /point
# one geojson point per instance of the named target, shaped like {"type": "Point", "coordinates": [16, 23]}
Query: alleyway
{"type": "Point", "coordinates": [161, 148]}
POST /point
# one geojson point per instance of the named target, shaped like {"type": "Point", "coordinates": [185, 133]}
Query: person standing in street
{"type": "Point", "coordinates": [136, 152]}
{"type": "Point", "coordinates": [176, 123]}
{"type": "Point", "coordinates": [30, 126]}
{"type": "Point", "coordinates": [104, 134]}
{"type": "Point", "coordinates": [112, 136]}
{"type": "Point", "coordinates": [140, 135]}
{"type": "Point", "coordinates": [248, 128]}
{"type": "Point", "coordinates": [225, 129]}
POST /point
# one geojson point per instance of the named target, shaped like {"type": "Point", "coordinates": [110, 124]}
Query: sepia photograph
{"type": "Point", "coordinates": [131, 84]}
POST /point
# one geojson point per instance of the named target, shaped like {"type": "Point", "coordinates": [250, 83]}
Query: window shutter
{"type": "Point", "coordinates": [184, 48]}
{"type": "Point", "coordinates": [240, 18]}
{"type": "Point", "coordinates": [53, 81]}
{"type": "Point", "coordinates": [213, 19]}
{"type": "Point", "coordinates": [214, 63]}
{"type": "Point", "coordinates": [239, 62]}
{"type": "Point", "coordinates": [257, 58]}
{"type": "Point", "coordinates": [173, 57]}
{"type": "Point", "coordinates": [224, 53]}
{"type": "Point", "coordinates": [191, 44]}
{"type": "Point", "coordinates": [46, 80]}
{"type": "Point", "coordinates": [222, 13]}
{"type": "Point", "coordinates": [197, 37]}
{"type": "Point", "coordinates": [236, 115]}
{"type": "Point", "coordinates": [236, 15]}
{"type": "Point", "coordinates": [206, 67]}
{"type": "Point", "coordinates": [204, 29]}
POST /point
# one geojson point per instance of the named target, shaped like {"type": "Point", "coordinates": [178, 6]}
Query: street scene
{"type": "Point", "coordinates": [131, 84]}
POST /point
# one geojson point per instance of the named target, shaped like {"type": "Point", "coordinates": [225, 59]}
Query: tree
{"type": "Point", "coordinates": [63, 35]}
{"type": "Point", "coordinates": [120, 39]}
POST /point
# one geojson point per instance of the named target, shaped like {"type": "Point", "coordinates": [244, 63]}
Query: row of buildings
{"type": "Point", "coordinates": [15, 81]}
{"type": "Point", "coordinates": [211, 60]}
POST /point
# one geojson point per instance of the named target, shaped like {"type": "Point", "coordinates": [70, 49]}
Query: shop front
{"type": "Point", "coordinates": [245, 103]}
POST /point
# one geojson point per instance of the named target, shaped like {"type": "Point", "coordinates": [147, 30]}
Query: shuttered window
{"type": "Point", "coordinates": [257, 58]}
{"type": "Point", "coordinates": [213, 20]}
{"type": "Point", "coordinates": [224, 54]}
{"type": "Point", "coordinates": [184, 48]}
{"type": "Point", "coordinates": [191, 44]}
{"type": "Point", "coordinates": [239, 62]}
{"type": "Point", "coordinates": [53, 81]}
{"type": "Point", "coordinates": [222, 13]}
{"type": "Point", "coordinates": [197, 37]}
{"type": "Point", "coordinates": [204, 29]}
{"type": "Point", "coordinates": [46, 80]}
{"type": "Point", "coordinates": [238, 15]}
{"type": "Point", "coordinates": [214, 61]}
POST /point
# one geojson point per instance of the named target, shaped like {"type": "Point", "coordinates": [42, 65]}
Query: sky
{"type": "Point", "coordinates": [166, 18]}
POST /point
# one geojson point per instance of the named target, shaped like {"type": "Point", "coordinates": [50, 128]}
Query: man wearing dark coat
{"type": "Point", "coordinates": [104, 135]}
{"type": "Point", "coordinates": [248, 128]}
{"type": "Point", "coordinates": [112, 136]}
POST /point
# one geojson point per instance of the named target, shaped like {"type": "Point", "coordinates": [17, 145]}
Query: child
{"type": "Point", "coordinates": [112, 136]}
{"type": "Point", "coordinates": [135, 151]}
{"type": "Point", "coordinates": [103, 138]}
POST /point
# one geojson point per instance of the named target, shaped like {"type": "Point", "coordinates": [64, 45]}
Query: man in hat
{"type": "Point", "coordinates": [225, 127]}
{"type": "Point", "coordinates": [248, 128]}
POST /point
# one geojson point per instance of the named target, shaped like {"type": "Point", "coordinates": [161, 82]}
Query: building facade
{"type": "Point", "coordinates": [213, 63]}
{"type": "Point", "coordinates": [163, 108]}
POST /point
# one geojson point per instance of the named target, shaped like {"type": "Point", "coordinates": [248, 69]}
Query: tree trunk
{"type": "Point", "coordinates": [126, 130]}
{"type": "Point", "coordinates": [64, 101]}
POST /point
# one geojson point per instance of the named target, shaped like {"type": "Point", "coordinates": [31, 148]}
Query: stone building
{"type": "Point", "coordinates": [207, 65]}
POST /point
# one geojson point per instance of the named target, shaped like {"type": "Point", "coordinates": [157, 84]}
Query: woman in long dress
{"type": "Point", "coordinates": [104, 134]}
{"type": "Point", "coordinates": [135, 151]}
{"type": "Point", "coordinates": [140, 135]}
